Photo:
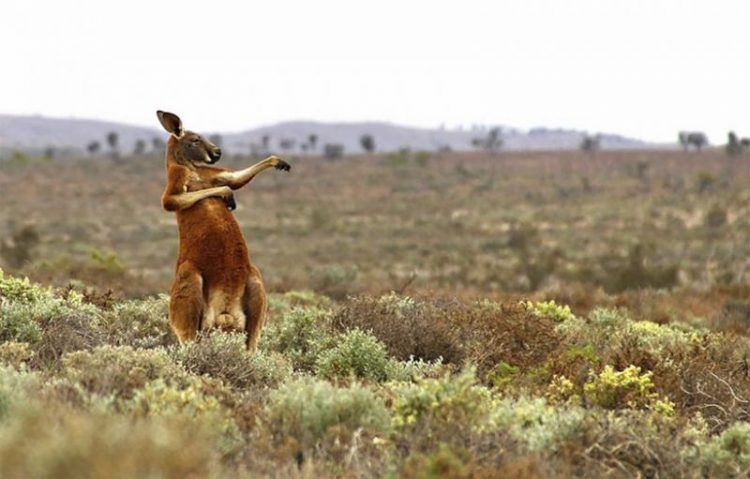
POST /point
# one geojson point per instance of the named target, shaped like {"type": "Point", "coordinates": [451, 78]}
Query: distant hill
{"type": "Point", "coordinates": [39, 132]}
{"type": "Point", "coordinates": [72, 135]}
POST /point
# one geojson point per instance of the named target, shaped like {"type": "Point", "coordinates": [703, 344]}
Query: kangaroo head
{"type": "Point", "coordinates": [187, 147]}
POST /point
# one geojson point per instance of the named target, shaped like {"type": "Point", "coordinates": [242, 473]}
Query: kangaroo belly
{"type": "Point", "coordinates": [212, 241]}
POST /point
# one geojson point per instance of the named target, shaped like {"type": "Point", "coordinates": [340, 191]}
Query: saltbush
{"type": "Point", "coordinates": [415, 369]}
{"type": "Point", "coordinates": [307, 408]}
{"type": "Point", "coordinates": [52, 444]}
{"type": "Point", "coordinates": [300, 334]}
{"type": "Point", "coordinates": [356, 354]}
{"type": "Point", "coordinates": [15, 354]}
{"type": "Point", "coordinates": [20, 290]}
{"type": "Point", "coordinates": [534, 422]}
{"type": "Point", "coordinates": [628, 388]}
{"type": "Point", "coordinates": [440, 405]}
{"type": "Point", "coordinates": [550, 309]}
{"type": "Point", "coordinates": [141, 323]}
{"type": "Point", "coordinates": [119, 371]}
{"type": "Point", "coordinates": [225, 356]}
{"type": "Point", "coordinates": [17, 323]}
{"type": "Point", "coordinates": [728, 454]}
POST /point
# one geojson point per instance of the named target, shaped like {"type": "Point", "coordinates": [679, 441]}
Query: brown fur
{"type": "Point", "coordinates": [215, 285]}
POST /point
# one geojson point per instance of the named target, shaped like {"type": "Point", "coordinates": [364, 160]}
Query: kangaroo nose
{"type": "Point", "coordinates": [217, 153]}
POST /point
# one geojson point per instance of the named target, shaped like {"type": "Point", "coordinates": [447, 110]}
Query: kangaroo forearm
{"type": "Point", "coordinates": [186, 200]}
{"type": "Point", "coordinates": [238, 179]}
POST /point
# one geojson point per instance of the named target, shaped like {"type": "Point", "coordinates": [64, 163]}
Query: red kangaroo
{"type": "Point", "coordinates": [215, 285]}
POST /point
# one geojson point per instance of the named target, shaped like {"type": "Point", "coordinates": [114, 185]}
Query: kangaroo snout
{"type": "Point", "coordinates": [215, 155]}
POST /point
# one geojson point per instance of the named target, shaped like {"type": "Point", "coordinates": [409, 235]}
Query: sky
{"type": "Point", "coordinates": [644, 69]}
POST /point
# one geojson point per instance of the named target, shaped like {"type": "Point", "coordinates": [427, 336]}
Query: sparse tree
{"type": "Point", "coordinates": [590, 143]}
{"type": "Point", "coordinates": [333, 151]}
{"type": "Point", "coordinates": [733, 146]}
{"type": "Point", "coordinates": [695, 138]}
{"type": "Point", "coordinates": [286, 144]}
{"type": "Point", "coordinates": [140, 147]}
{"type": "Point", "coordinates": [367, 142]}
{"type": "Point", "coordinates": [492, 142]}
{"type": "Point", "coordinates": [93, 147]}
{"type": "Point", "coordinates": [265, 141]}
{"type": "Point", "coordinates": [312, 140]}
{"type": "Point", "coordinates": [50, 153]}
{"type": "Point", "coordinates": [113, 140]}
{"type": "Point", "coordinates": [157, 144]}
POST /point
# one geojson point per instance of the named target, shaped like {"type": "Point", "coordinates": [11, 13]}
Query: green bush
{"type": "Point", "coordinates": [159, 398]}
{"type": "Point", "coordinates": [51, 324]}
{"type": "Point", "coordinates": [628, 388]}
{"type": "Point", "coordinates": [415, 369]}
{"type": "Point", "coordinates": [141, 324]}
{"type": "Point", "coordinates": [17, 389]}
{"type": "Point", "coordinates": [550, 309]}
{"type": "Point", "coordinates": [307, 408]}
{"type": "Point", "coordinates": [15, 354]}
{"type": "Point", "coordinates": [281, 303]}
{"type": "Point", "coordinates": [300, 334]}
{"type": "Point", "coordinates": [49, 445]}
{"type": "Point", "coordinates": [119, 371]}
{"type": "Point", "coordinates": [20, 290]}
{"type": "Point", "coordinates": [17, 323]}
{"type": "Point", "coordinates": [441, 406]}
{"type": "Point", "coordinates": [728, 454]}
{"type": "Point", "coordinates": [535, 423]}
{"type": "Point", "coordinates": [355, 354]}
{"type": "Point", "coordinates": [225, 356]}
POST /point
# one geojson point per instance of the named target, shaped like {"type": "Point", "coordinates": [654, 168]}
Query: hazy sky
{"type": "Point", "coordinates": [640, 68]}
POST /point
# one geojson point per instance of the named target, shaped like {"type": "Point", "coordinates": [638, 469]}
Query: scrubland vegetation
{"type": "Point", "coordinates": [518, 315]}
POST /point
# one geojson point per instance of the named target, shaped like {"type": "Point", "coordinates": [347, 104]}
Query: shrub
{"type": "Point", "coordinates": [20, 290]}
{"type": "Point", "coordinates": [302, 299]}
{"type": "Point", "coordinates": [485, 333]}
{"type": "Point", "coordinates": [501, 376]}
{"type": "Point", "coordinates": [415, 369]}
{"type": "Point", "coordinates": [17, 324]}
{"type": "Point", "coordinates": [307, 408]}
{"type": "Point", "coordinates": [356, 354]}
{"type": "Point", "coordinates": [440, 408]}
{"type": "Point", "coordinates": [534, 422]}
{"type": "Point", "coordinates": [48, 445]}
{"type": "Point", "coordinates": [407, 327]}
{"type": "Point", "coordinates": [119, 370]}
{"type": "Point", "coordinates": [728, 455]}
{"type": "Point", "coordinates": [629, 388]}
{"type": "Point", "coordinates": [51, 324]}
{"type": "Point", "coordinates": [225, 356]}
{"type": "Point", "coordinates": [17, 388]}
{"type": "Point", "coordinates": [301, 334]}
{"type": "Point", "coordinates": [15, 354]}
{"type": "Point", "coordinates": [336, 281]}
{"type": "Point", "coordinates": [141, 323]}
{"type": "Point", "coordinates": [158, 398]}
{"type": "Point", "coordinates": [550, 309]}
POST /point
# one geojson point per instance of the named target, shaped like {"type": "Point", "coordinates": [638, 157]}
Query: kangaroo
{"type": "Point", "coordinates": [215, 285]}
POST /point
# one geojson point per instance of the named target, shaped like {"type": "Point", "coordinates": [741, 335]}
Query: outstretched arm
{"type": "Point", "coordinates": [238, 179]}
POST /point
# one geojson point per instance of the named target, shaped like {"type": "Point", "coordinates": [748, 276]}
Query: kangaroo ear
{"type": "Point", "coordinates": [171, 123]}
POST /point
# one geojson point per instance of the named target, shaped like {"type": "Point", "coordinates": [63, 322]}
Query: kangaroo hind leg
{"type": "Point", "coordinates": [186, 304]}
{"type": "Point", "coordinates": [255, 307]}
